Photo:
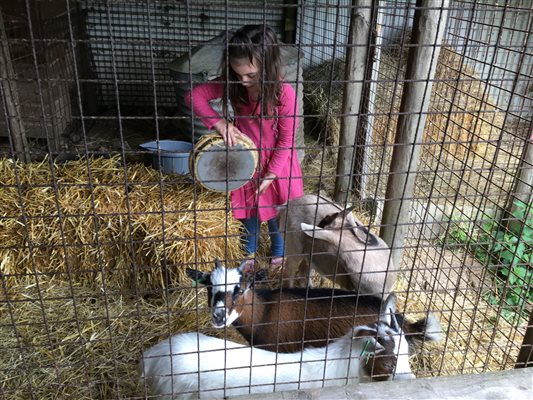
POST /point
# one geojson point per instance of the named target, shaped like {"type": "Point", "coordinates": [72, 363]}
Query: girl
{"type": "Point", "coordinates": [265, 110]}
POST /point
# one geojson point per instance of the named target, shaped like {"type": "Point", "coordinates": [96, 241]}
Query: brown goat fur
{"type": "Point", "coordinates": [313, 319]}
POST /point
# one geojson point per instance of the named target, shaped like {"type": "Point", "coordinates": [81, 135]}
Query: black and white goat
{"type": "Point", "coordinates": [284, 319]}
{"type": "Point", "coordinates": [192, 365]}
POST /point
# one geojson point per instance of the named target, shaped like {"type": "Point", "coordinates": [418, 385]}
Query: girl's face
{"type": "Point", "coordinates": [248, 73]}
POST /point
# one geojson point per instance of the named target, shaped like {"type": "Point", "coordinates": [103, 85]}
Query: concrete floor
{"type": "Point", "coordinates": [513, 384]}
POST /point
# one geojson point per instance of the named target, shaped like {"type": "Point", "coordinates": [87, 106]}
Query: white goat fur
{"type": "Point", "coordinates": [361, 267]}
{"type": "Point", "coordinates": [171, 367]}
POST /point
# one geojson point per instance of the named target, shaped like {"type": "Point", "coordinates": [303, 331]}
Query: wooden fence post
{"type": "Point", "coordinates": [356, 60]}
{"type": "Point", "coordinates": [525, 356]}
{"type": "Point", "coordinates": [523, 192]}
{"type": "Point", "coordinates": [427, 33]}
{"type": "Point", "coordinates": [16, 129]}
{"type": "Point", "coordinates": [523, 187]}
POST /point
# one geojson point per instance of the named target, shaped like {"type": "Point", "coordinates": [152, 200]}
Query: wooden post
{"type": "Point", "coordinates": [523, 191]}
{"type": "Point", "coordinates": [428, 29]}
{"type": "Point", "coordinates": [16, 129]}
{"type": "Point", "coordinates": [356, 57]}
{"type": "Point", "coordinates": [525, 356]}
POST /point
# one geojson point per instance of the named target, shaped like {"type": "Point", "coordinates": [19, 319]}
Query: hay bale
{"type": "Point", "coordinates": [462, 114]}
{"type": "Point", "coordinates": [105, 231]}
{"type": "Point", "coordinates": [463, 117]}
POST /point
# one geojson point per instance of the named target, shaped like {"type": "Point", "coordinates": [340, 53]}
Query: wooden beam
{"type": "Point", "coordinates": [523, 188]}
{"type": "Point", "coordinates": [525, 356]}
{"type": "Point", "coordinates": [16, 131]}
{"type": "Point", "coordinates": [428, 29]}
{"type": "Point", "coordinates": [356, 61]}
{"type": "Point", "coordinates": [513, 384]}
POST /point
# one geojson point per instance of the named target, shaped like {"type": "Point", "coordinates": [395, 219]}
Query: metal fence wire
{"type": "Point", "coordinates": [419, 114]}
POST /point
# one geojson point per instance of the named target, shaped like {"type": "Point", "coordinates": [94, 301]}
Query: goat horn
{"type": "Point", "coordinates": [394, 321]}
{"type": "Point", "coordinates": [345, 212]}
{"type": "Point", "coordinates": [349, 209]}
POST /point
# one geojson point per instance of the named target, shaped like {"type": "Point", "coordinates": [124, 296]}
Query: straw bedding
{"type": "Point", "coordinates": [68, 335]}
{"type": "Point", "coordinates": [72, 341]}
{"type": "Point", "coordinates": [108, 231]}
{"type": "Point", "coordinates": [476, 337]}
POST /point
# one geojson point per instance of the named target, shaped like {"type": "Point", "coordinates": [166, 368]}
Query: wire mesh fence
{"type": "Point", "coordinates": [104, 254]}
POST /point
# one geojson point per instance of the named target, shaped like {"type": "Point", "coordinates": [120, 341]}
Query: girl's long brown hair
{"type": "Point", "coordinates": [259, 44]}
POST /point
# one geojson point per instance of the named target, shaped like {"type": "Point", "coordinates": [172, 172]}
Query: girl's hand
{"type": "Point", "coordinates": [266, 182]}
{"type": "Point", "coordinates": [228, 131]}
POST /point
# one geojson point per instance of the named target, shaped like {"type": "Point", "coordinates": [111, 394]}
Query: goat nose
{"type": "Point", "coordinates": [219, 318]}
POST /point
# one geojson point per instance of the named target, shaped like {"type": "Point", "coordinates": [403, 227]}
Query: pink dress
{"type": "Point", "coordinates": [274, 137]}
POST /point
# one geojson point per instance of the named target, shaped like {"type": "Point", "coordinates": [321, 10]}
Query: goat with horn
{"type": "Point", "coordinates": [321, 235]}
{"type": "Point", "coordinates": [288, 319]}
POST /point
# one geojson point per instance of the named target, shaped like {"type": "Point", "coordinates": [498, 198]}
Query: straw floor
{"type": "Point", "coordinates": [476, 337]}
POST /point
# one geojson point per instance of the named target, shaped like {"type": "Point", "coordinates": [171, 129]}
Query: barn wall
{"type": "Point", "coordinates": [135, 41]}
{"type": "Point", "coordinates": [42, 60]}
{"type": "Point", "coordinates": [322, 29]}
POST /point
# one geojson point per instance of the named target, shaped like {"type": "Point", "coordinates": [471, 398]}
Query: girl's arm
{"type": "Point", "coordinates": [198, 99]}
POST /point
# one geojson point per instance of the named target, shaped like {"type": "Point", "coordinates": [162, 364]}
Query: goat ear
{"type": "Point", "coordinates": [389, 308]}
{"type": "Point", "coordinates": [328, 221]}
{"type": "Point", "coordinates": [260, 275]}
{"type": "Point", "coordinates": [345, 214]}
{"type": "Point", "coordinates": [363, 330]}
{"type": "Point", "coordinates": [346, 218]}
{"type": "Point", "coordinates": [315, 231]}
{"type": "Point", "coordinates": [198, 276]}
{"type": "Point", "coordinates": [339, 219]}
{"type": "Point", "coordinates": [308, 229]}
{"type": "Point", "coordinates": [394, 322]}
{"type": "Point", "coordinates": [378, 347]}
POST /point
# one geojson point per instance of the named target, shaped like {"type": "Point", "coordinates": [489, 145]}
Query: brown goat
{"type": "Point", "coordinates": [289, 319]}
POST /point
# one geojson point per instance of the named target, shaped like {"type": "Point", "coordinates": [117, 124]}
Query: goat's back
{"type": "Point", "coordinates": [305, 209]}
{"type": "Point", "coordinates": [283, 317]}
{"type": "Point", "coordinates": [230, 369]}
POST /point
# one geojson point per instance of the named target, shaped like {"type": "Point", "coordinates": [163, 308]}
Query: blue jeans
{"type": "Point", "coordinates": [251, 238]}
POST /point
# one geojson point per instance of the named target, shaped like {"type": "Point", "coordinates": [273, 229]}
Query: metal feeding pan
{"type": "Point", "coordinates": [220, 168]}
